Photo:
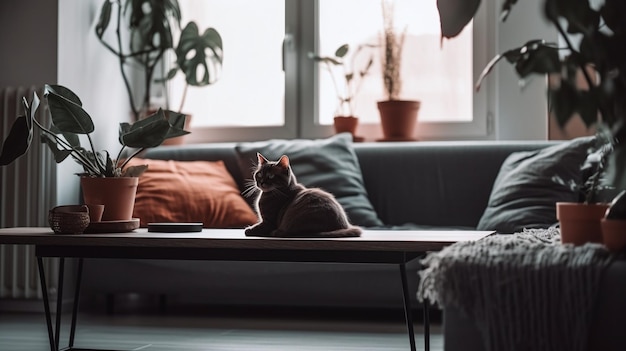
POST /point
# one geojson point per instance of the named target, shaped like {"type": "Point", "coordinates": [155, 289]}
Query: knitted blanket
{"type": "Point", "coordinates": [525, 291]}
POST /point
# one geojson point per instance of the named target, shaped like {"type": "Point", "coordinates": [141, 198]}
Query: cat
{"type": "Point", "coordinates": [287, 208]}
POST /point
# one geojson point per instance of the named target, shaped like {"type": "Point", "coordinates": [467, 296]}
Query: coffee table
{"type": "Point", "coordinates": [374, 246]}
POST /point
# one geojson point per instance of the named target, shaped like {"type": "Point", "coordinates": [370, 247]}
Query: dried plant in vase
{"type": "Point", "coordinates": [398, 117]}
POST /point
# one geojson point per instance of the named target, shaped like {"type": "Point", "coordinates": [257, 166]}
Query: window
{"type": "Point", "coordinates": [270, 88]}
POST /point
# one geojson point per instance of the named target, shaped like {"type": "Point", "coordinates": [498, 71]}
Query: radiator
{"type": "Point", "coordinates": [27, 192]}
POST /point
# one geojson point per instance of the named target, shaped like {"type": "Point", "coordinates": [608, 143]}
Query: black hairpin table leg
{"type": "Point", "coordinates": [76, 300]}
{"type": "Point", "coordinates": [46, 303]}
{"type": "Point", "coordinates": [408, 316]}
{"type": "Point", "coordinates": [54, 335]}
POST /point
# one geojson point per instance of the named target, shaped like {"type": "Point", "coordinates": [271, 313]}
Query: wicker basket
{"type": "Point", "coordinates": [72, 219]}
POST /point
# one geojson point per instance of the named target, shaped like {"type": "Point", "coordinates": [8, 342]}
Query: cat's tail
{"type": "Point", "coordinates": [349, 232]}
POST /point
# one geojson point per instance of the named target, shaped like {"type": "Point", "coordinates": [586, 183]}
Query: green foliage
{"type": "Point", "coordinates": [600, 56]}
{"type": "Point", "coordinates": [351, 77]}
{"type": "Point", "coordinates": [151, 23]}
{"type": "Point", "coordinates": [70, 120]}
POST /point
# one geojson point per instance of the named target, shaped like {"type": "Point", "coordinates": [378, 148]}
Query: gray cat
{"type": "Point", "coordinates": [289, 209]}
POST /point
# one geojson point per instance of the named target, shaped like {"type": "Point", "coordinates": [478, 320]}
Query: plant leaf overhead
{"type": "Point", "coordinates": [67, 114]}
{"type": "Point", "coordinates": [454, 15]}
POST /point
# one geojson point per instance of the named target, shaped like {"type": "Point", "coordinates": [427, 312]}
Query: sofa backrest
{"type": "Point", "coordinates": [426, 183]}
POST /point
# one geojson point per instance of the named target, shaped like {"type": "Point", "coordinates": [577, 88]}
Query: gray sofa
{"type": "Point", "coordinates": [410, 185]}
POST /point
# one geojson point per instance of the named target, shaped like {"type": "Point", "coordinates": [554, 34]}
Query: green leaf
{"type": "Point", "coordinates": [67, 113]}
{"type": "Point", "coordinates": [199, 55]}
{"type": "Point", "coordinates": [150, 135]}
{"type": "Point", "coordinates": [71, 138]}
{"type": "Point", "coordinates": [105, 18]}
{"type": "Point", "coordinates": [59, 154]}
{"type": "Point", "coordinates": [145, 133]}
{"type": "Point", "coordinates": [537, 58]}
{"type": "Point", "coordinates": [454, 15]}
{"type": "Point", "coordinates": [342, 51]}
{"type": "Point", "coordinates": [17, 142]}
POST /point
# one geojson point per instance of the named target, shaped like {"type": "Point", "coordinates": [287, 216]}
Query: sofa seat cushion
{"type": "Point", "coordinates": [330, 164]}
{"type": "Point", "coordinates": [525, 192]}
{"type": "Point", "coordinates": [190, 191]}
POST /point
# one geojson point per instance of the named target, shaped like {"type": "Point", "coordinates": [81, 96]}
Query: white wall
{"type": "Point", "coordinates": [86, 67]}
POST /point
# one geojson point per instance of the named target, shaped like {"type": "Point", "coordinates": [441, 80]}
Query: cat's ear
{"type": "Point", "coordinates": [284, 161]}
{"type": "Point", "coordinates": [262, 160]}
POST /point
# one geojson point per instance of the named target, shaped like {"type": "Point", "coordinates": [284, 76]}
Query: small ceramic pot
{"type": "Point", "coordinates": [95, 212]}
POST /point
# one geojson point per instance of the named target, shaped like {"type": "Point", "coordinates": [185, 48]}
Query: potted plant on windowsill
{"type": "Point", "coordinates": [70, 122]}
{"type": "Point", "coordinates": [600, 56]}
{"type": "Point", "coordinates": [150, 24]}
{"type": "Point", "coordinates": [345, 119]}
{"type": "Point", "coordinates": [398, 117]}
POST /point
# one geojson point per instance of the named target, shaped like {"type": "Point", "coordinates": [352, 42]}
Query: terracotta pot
{"type": "Point", "coordinates": [346, 124]}
{"type": "Point", "coordinates": [398, 119]}
{"type": "Point", "coordinates": [580, 223]}
{"type": "Point", "coordinates": [614, 234]}
{"type": "Point", "coordinates": [117, 194]}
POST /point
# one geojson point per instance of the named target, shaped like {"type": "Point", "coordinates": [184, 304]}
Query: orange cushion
{"type": "Point", "coordinates": [190, 191]}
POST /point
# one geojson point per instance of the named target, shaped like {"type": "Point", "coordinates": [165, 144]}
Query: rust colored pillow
{"type": "Point", "coordinates": [190, 191]}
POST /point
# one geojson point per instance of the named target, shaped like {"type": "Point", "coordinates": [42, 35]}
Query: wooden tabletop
{"type": "Point", "coordinates": [370, 240]}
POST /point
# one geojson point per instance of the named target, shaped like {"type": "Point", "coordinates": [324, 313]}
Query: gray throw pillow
{"type": "Point", "coordinates": [524, 194]}
{"type": "Point", "coordinates": [330, 164]}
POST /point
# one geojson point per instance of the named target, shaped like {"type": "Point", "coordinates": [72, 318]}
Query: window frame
{"type": "Point", "coordinates": [301, 73]}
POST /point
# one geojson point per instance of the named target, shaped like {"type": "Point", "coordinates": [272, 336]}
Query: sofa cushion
{"type": "Point", "coordinates": [524, 194]}
{"type": "Point", "coordinates": [190, 191]}
{"type": "Point", "coordinates": [330, 164]}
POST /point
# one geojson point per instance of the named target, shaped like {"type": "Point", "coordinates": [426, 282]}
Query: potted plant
{"type": "Point", "coordinates": [70, 122]}
{"type": "Point", "coordinates": [580, 222]}
{"type": "Point", "coordinates": [600, 56]}
{"type": "Point", "coordinates": [345, 119]}
{"type": "Point", "coordinates": [398, 117]}
{"type": "Point", "coordinates": [150, 24]}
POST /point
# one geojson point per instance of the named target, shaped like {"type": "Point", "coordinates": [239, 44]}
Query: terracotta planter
{"type": "Point", "coordinates": [116, 194]}
{"type": "Point", "coordinates": [580, 223]}
{"type": "Point", "coordinates": [398, 119]}
{"type": "Point", "coordinates": [614, 234]}
{"type": "Point", "coordinates": [346, 124]}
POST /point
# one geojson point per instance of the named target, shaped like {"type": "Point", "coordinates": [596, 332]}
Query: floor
{"type": "Point", "coordinates": [242, 331]}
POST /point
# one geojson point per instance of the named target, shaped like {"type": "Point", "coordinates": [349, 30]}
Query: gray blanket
{"type": "Point", "coordinates": [525, 291]}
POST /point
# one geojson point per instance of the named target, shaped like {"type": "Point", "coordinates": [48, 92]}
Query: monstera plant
{"type": "Point", "coordinates": [150, 24]}
{"type": "Point", "coordinates": [70, 121]}
{"type": "Point", "coordinates": [594, 35]}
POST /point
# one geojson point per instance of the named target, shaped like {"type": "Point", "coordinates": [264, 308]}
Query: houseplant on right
{"type": "Point", "coordinates": [70, 123]}
{"type": "Point", "coordinates": [600, 56]}
{"type": "Point", "coordinates": [352, 79]}
{"type": "Point", "coordinates": [398, 117]}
